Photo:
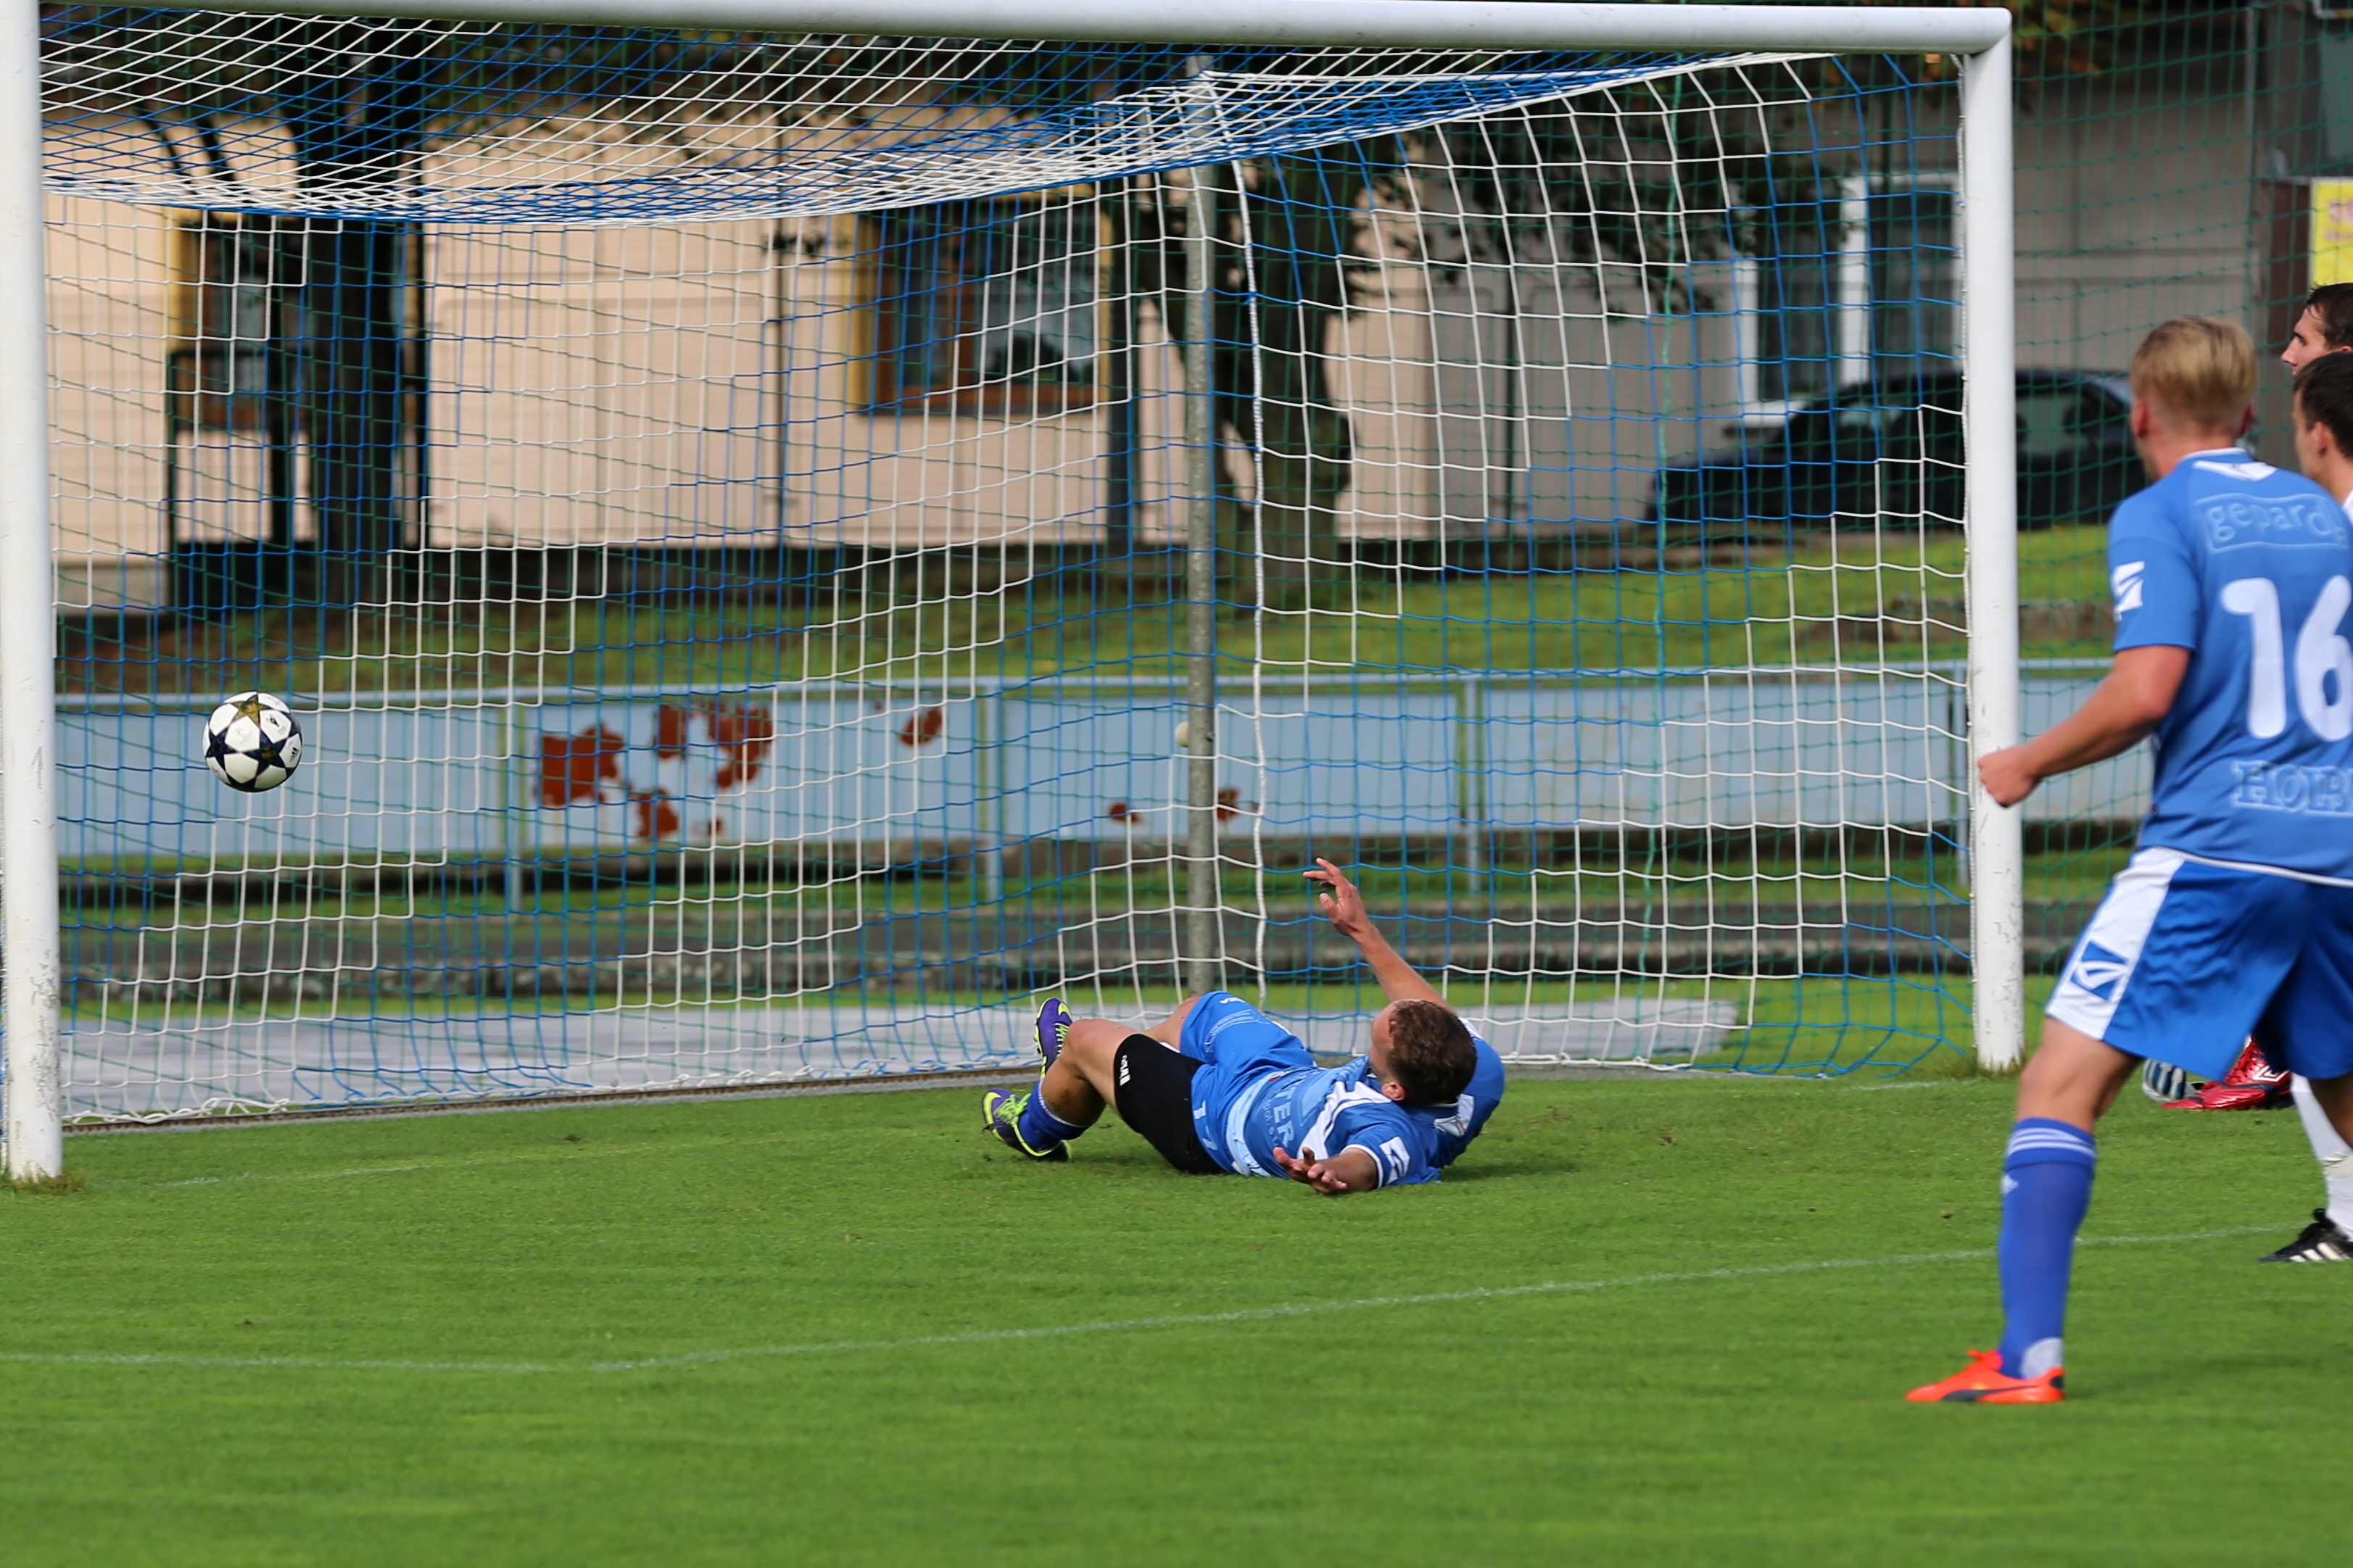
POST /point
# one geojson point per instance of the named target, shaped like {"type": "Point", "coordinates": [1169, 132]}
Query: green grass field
{"type": "Point", "coordinates": [1643, 1322]}
{"type": "Point", "coordinates": [1771, 608]}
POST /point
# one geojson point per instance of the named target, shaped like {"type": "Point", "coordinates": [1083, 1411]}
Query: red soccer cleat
{"type": "Point", "coordinates": [1983, 1381]}
{"type": "Point", "coordinates": [2252, 1084]}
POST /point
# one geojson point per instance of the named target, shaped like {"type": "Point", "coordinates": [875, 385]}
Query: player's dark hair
{"type": "Point", "coordinates": [1430, 1054]}
{"type": "Point", "coordinates": [2334, 302]}
{"type": "Point", "coordinates": [2323, 395]}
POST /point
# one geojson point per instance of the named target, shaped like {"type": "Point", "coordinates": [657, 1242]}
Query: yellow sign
{"type": "Point", "coordinates": [2332, 232]}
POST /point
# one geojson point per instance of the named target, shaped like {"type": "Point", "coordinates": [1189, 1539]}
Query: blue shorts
{"type": "Point", "coordinates": [1229, 1035]}
{"type": "Point", "coordinates": [2186, 959]}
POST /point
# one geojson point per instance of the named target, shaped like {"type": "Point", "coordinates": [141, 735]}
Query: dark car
{"type": "Point", "coordinates": [1892, 448]}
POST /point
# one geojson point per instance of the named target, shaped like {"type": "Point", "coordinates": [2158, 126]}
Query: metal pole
{"type": "Point", "coordinates": [1203, 923]}
{"type": "Point", "coordinates": [1997, 845]}
{"type": "Point", "coordinates": [1120, 409]}
{"type": "Point", "coordinates": [29, 702]}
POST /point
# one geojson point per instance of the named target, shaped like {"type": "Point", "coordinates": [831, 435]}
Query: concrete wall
{"type": "Point", "coordinates": [108, 265]}
{"type": "Point", "coordinates": [468, 776]}
{"type": "Point", "coordinates": [2132, 208]}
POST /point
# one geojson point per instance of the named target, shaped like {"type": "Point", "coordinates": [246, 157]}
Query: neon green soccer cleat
{"type": "Point", "coordinates": [1003, 1109]}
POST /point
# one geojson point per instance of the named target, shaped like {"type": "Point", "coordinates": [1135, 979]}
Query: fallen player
{"type": "Point", "coordinates": [1219, 1088]}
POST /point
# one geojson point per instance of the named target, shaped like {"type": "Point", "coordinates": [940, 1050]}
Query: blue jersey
{"type": "Point", "coordinates": [2251, 570]}
{"type": "Point", "coordinates": [1261, 1090]}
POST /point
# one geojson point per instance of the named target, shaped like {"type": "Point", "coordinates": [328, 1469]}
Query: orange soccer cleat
{"type": "Point", "coordinates": [1983, 1381]}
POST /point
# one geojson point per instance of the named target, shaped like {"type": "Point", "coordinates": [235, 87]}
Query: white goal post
{"type": "Point", "coordinates": [1977, 38]}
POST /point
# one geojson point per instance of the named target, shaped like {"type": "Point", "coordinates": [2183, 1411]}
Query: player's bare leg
{"type": "Point", "coordinates": [1081, 1082]}
{"type": "Point", "coordinates": [1078, 1085]}
{"type": "Point", "coordinates": [2072, 1077]}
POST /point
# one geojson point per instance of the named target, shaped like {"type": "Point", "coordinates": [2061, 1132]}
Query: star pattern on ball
{"type": "Point", "coordinates": [241, 749]}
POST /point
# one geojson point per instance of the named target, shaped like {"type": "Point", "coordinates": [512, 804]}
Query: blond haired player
{"type": "Point", "coordinates": [2232, 581]}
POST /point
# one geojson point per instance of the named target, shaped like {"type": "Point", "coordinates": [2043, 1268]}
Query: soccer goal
{"type": "Point", "coordinates": [792, 533]}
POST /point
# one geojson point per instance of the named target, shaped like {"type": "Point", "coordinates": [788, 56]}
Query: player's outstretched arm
{"type": "Point", "coordinates": [1351, 1169]}
{"type": "Point", "coordinates": [1345, 907]}
{"type": "Point", "coordinates": [2130, 703]}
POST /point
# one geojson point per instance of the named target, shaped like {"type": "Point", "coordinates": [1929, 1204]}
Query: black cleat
{"type": "Point", "coordinates": [2322, 1242]}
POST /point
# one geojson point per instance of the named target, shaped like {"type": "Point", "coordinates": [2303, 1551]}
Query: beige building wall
{"type": "Point", "coordinates": [1560, 415]}
{"type": "Point", "coordinates": [706, 384]}
{"type": "Point", "coordinates": [915, 479]}
{"type": "Point", "coordinates": [601, 386]}
{"type": "Point", "coordinates": [107, 267]}
{"type": "Point", "coordinates": [2132, 208]}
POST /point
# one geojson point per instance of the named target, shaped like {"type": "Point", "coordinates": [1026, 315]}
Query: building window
{"type": "Point", "coordinates": [225, 362]}
{"type": "Point", "coordinates": [987, 306]}
{"type": "Point", "coordinates": [1839, 293]}
{"type": "Point", "coordinates": [1914, 282]}
{"type": "Point", "coordinates": [1793, 306]}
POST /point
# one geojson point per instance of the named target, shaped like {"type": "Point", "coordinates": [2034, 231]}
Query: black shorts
{"type": "Point", "coordinates": [1154, 1096]}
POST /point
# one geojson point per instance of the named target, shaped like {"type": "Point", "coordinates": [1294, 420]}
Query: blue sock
{"type": "Point", "coordinates": [1040, 1126]}
{"type": "Point", "coordinates": [2046, 1184]}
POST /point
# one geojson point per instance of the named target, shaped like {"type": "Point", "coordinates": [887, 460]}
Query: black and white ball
{"type": "Point", "coordinates": [252, 743]}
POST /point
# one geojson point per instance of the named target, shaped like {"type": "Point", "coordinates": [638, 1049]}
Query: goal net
{"type": "Point", "coordinates": [788, 548]}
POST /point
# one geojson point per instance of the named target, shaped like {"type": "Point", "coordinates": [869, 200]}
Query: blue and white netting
{"type": "Point", "coordinates": [460, 122]}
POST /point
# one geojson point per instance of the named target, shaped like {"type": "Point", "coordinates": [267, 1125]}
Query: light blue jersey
{"type": "Point", "coordinates": [2250, 568]}
{"type": "Point", "coordinates": [1260, 1090]}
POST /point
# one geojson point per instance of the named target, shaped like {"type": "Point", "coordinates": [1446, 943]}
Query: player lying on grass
{"type": "Point", "coordinates": [1218, 1087]}
{"type": "Point", "coordinates": [2234, 915]}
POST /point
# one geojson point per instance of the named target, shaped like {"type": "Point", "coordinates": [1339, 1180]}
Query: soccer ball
{"type": "Point", "coordinates": [252, 743]}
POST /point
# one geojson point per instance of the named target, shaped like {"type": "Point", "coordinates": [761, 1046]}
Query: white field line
{"type": "Point", "coordinates": [1060, 1330]}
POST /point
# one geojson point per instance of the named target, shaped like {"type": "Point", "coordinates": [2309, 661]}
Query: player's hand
{"type": "Point", "coordinates": [1339, 901]}
{"type": "Point", "coordinates": [2006, 776]}
{"type": "Point", "coordinates": [1315, 1174]}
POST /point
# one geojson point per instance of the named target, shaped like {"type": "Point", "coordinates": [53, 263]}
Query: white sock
{"type": "Point", "coordinates": [2326, 1142]}
{"type": "Point", "coordinates": [2330, 1147]}
{"type": "Point", "coordinates": [2336, 1171]}
{"type": "Point", "coordinates": [2040, 1357]}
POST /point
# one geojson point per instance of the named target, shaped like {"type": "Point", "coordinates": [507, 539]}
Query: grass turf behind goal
{"type": "Point", "coordinates": [1665, 1322]}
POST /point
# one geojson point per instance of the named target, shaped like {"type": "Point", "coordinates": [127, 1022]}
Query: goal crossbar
{"type": "Point", "coordinates": [1980, 38]}
{"type": "Point", "coordinates": [1376, 23]}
